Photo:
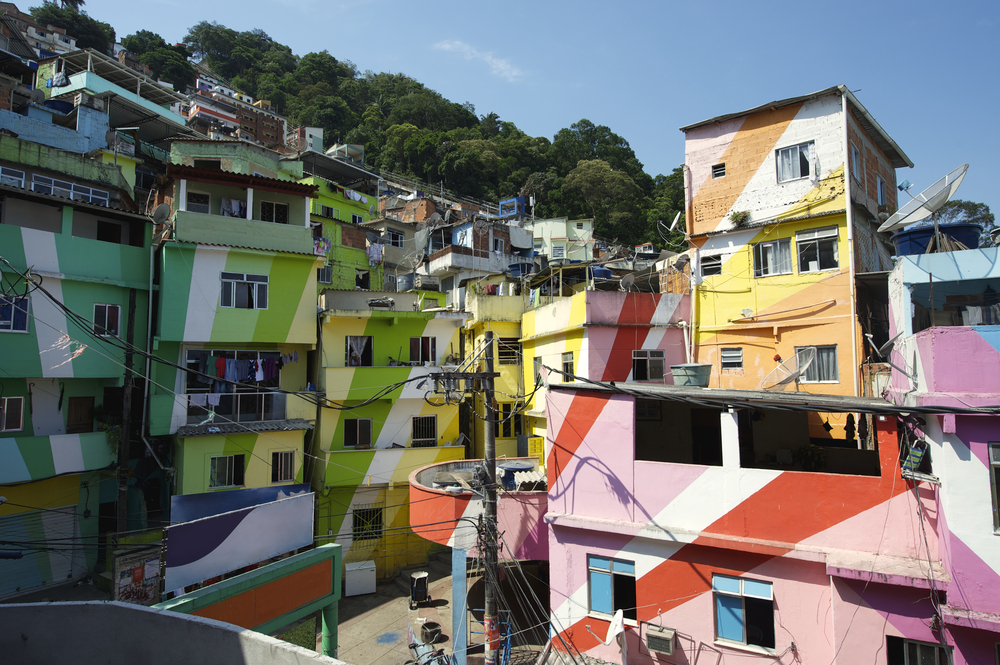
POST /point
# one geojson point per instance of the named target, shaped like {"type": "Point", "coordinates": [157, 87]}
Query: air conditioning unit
{"type": "Point", "coordinates": [425, 282]}
{"type": "Point", "coordinates": [324, 275]}
{"type": "Point", "coordinates": [660, 639]}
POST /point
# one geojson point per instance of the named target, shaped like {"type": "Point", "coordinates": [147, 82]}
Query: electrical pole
{"type": "Point", "coordinates": [491, 624]}
{"type": "Point", "coordinates": [123, 445]}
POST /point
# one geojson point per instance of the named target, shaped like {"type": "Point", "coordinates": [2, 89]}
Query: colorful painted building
{"type": "Point", "coordinates": [74, 290]}
{"type": "Point", "coordinates": [783, 203]}
{"type": "Point", "coordinates": [235, 318]}
{"type": "Point", "coordinates": [380, 420]}
{"type": "Point", "coordinates": [711, 523]}
{"type": "Point", "coordinates": [944, 309]}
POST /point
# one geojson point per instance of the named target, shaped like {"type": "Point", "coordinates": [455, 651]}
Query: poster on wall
{"type": "Point", "coordinates": [137, 576]}
{"type": "Point", "coordinates": [204, 548]}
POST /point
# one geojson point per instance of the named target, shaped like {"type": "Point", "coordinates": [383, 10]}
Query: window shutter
{"type": "Point", "coordinates": [414, 349]}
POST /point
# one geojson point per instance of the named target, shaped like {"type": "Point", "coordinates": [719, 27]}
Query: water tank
{"type": "Point", "coordinates": [600, 272]}
{"type": "Point", "coordinates": [404, 282]}
{"type": "Point", "coordinates": [520, 269]}
{"type": "Point", "coordinates": [914, 239]}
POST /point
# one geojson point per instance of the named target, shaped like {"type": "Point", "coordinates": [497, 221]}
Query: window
{"type": "Point", "coordinates": [395, 238]}
{"type": "Point", "coordinates": [11, 414]}
{"type": "Point", "coordinates": [537, 245]}
{"type": "Point", "coordinates": [498, 245]}
{"type": "Point", "coordinates": [274, 212]}
{"type": "Point", "coordinates": [881, 192]}
{"type": "Point", "coordinates": [106, 318]}
{"type": "Point", "coordinates": [772, 258]}
{"type": "Point", "coordinates": [324, 275]}
{"type": "Point", "coordinates": [424, 433]}
{"type": "Point", "coordinates": [823, 368]}
{"type": "Point", "coordinates": [244, 291]}
{"type": "Point", "coordinates": [567, 366]}
{"type": "Point", "coordinates": [744, 611]}
{"type": "Point", "coordinates": [995, 483]}
{"type": "Point", "coordinates": [900, 651]}
{"type": "Point", "coordinates": [358, 351]}
{"type": "Point", "coordinates": [508, 420]}
{"type": "Point", "coordinates": [509, 351]}
{"type": "Point", "coordinates": [719, 171]}
{"type": "Point", "coordinates": [711, 265]}
{"type": "Point", "coordinates": [366, 522]}
{"type": "Point", "coordinates": [357, 219]}
{"type": "Point", "coordinates": [794, 161]}
{"type": "Point", "coordinates": [858, 165]}
{"type": "Point", "coordinates": [390, 283]}
{"type": "Point", "coordinates": [423, 349]}
{"type": "Point", "coordinates": [328, 212]}
{"type": "Point", "coordinates": [199, 202]}
{"type": "Point", "coordinates": [612, 586]}
{"type": "Point", "coordinates": [558, 251]}
{"type": "Point", "coordinates": [68, 190]}
{"type": "Point", "coordinates": [818, 249]}
{"type": "Point", "coordinates": [226, 471]}
{"type": "Point", "coordinates": [579, 225]}
{"type": "Point", "coordinates": [13, 314]}
{"type": "Point", "coordinates": [283, 466]}
{"type": "Point", "coordinates": [537, 369]}
{"type": "Point", "coordinates": [80, 415]}
{"type": "Point", "coordinates": [11, 177]}
{"type": "Point", "coordinates": [647, 365]}
{"type": "Point", "coordinates": [209, 164]}
{"type": "Point", "coordinates": [109, 232]}
{"type": "Point", "coordinates": [732, 358]}
{"type": "Point", "coordinates": [358, 433]}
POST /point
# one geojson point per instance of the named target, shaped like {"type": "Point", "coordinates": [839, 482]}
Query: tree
{"type": "Point", "coordinates": [959, 211]}
{"type": "Point", "coordinates": [611, 197]}
{"type": "Point", "coordinates": [143, 41]}
{"type": "Point", "coordinates": [89, 33]}
{"type": "Point", "coordinates": [170, 64]}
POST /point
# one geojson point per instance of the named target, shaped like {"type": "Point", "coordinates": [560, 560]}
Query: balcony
{"type": "Point", "coordinates": [238, 232]}
{"type": "Point", "coordinates": [237, 407]}
{"type": "Point", "coordinates": [456, 258]}
{"type": "Point", "coordinates": [948, 362]}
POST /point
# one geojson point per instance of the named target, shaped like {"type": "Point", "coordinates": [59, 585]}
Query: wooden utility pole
{"type": "Point", "coordinates": [491, 624]}
{"type": "Point", "coordinates": [123, 445]}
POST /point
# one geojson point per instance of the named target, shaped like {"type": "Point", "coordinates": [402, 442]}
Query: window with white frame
{"type": "Point", "coordinates": [274, 212]}
{"type": "Point", "coordinates": [732, 358]}
{"type": "Point", "coordinates": [772, 257]}
{"type": "Point", "coordinates": [11, 177]}
{"type": "Point", "coordinates": [711, 265]}
{"type": "Point", "coordinates": [498, 245]}
{"type": "Point", "coordinates": [880, 189]}
{"type": "Point", "coordinates": [358, 433]}
{"type": "Point", "coordinates": [995, 483]}
{"type": "Point", "coordinates": [13, 314]}
{"type": "Point", "coordinates": [611, 585]}
{"type": "Point", "coordinates": [901, 651]}
{"type": "Point", "coordinates": [536, 369]}
{"type": "Point", "coordinates": [390, 283]}
{"type": "Point", "coordinates": [244, 291]}
{"type": "Point", "coordinates": [647, 365]}
{"type": "Point", "coordinates": [558, 251]}
{"type": "Point", "coordinates": [359, 351]}
{"type": "Point", "coordinates": [823, 368]}
{"type": "Point", "coordinates": [744, 611]}
{"type": "Point", "coordinates": [794, 161]}
{"type": "Point", "coordinates": [508, 351]}
{"type": "Point", "coordinates": [283, 466]}
{"type": "Point", "coordinates": [226, 471]}
{"type": "Point", "coordinates": [327, 211]}
{"type": "Point", "coordinates": [537, 245]}
{"type": "Point", "coordinates": [423, 349]}
{"type": "Point", "coordinates": [395, 238]}
{"type": "Point", "coordinates": [424, 432]}
{"type": "Point", "coordinates": [68, 190]}
{"type": "Point", "coordinates": [11, 414]}
{"type": "Point", "coordinates": [367, 522]}
{"type": "Point", "coordinates": [508, 419]}
{"type": "Point", "coordinates": [357, 219]}
{"type": "Point", "coordinates": [818, 249]}
{"type": "Point", "coordinates": [858, 166]}
{"type": "Point", "coordinates": [718, 171]}
{"type": "Point", "coordinates": [567, 365]}
{"type": "Point", "coordinates": [199, 202]}
{"type": "Point", "coordinates": [106, 318]}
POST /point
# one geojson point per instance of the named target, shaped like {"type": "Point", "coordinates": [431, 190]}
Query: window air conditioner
{"type": "Point", "coordinates": [660, 639]}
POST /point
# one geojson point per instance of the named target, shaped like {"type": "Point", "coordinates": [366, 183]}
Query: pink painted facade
{"type": "Point", "coordinates": [849, 560]}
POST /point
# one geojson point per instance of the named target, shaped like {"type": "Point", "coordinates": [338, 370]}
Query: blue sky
{"type": "Point", "coordinates": [928, 72]}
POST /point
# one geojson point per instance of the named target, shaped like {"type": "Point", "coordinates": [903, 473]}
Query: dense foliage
{"type": "Point", "coordinates": [89, 32]}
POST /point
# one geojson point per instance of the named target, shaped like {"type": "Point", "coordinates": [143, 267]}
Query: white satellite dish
{"type": "Point", "coordinates": [420, 238]}
{"type": "Point", "coordinates": [790, 370]}
{"type": "Point", "coordinates": [673, 225]}
{"type": "Point", "coordinates": [434, 220]}
{"type": "Point", "coordinates": [927, 202]}
{"type": "Point", "coordinates": [161, 213]}
{"type": "Point", "coordinates": [628, 281]}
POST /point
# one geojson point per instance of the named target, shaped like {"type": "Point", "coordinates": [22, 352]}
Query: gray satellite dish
{"type": "Point", "coordinates": [927, 202]}
{"type": "Point", "coordinates": [628, 281]}
{"type": "Point", "coordinates": [420, 238]}
{"type": "Point", "coordinates": [673, 225]}
{"type": "Point", "coordinates": [161, 213]}
{"type": "Point", "coordinates": [111, 138]}
{"type": "Point", "coordinates": [371, 209]}
{"type": "Point", "coordinates": [447, 215]}
{"type": "Point", "coordinates": [790, 370]}
{"type": "Point", "coordinates": [434, 219]}
{"type": "Point", "coordinates": [37, 96]}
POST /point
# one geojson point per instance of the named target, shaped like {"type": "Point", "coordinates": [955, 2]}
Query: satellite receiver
{"type": "Point", "coordinates": [420, 238]}
{"type": "Point", "coordinates": [111, 137]}
{"type": "Point", "coordinates": [885, 349]}
{"type": "Point", "coordinates": [628, 281]}
{"type": "Point", "coordinates": [372, 237]}
{"type": "Point", "coordinates": [371, 209]}
{"type": "Point", "coordinates": [434, 219]}
{"type": "Point", "coordinates": [790, 370]}
{"type": "Point", "coordinates": [673, 224]}
{"type": "Point", "coordinates": [447, 215]}
{"type": "Point", "coordinates": [481, 225]}
{"type": "Point", "coordinates": [37, 96]}
{"type": "Point", "coordinates": [161, 213]}
{"type": "Point", "coordinates": [927, 202]}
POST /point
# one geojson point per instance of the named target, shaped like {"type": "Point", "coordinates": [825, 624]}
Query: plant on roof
{"type": "Point", "coordinates": [738, 217]}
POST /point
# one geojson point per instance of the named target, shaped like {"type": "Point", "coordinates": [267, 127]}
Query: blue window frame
{"type": "Point", "coordinates": [612, 586]}
{"type": "Point", "coordinates": [744, 611]}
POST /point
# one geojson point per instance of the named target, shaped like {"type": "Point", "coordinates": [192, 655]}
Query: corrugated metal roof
{"type": "Point", "coordinates": [215, 429]}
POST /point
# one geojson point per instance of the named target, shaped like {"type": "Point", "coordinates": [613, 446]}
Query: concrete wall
{"type": "Point", "coordinates": [120, 634]}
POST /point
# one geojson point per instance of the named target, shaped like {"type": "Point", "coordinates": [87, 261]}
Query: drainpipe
{"type": "Point", "coordinates": [170, 471]}
{"type": "Point", "coordinates": [850, 244]}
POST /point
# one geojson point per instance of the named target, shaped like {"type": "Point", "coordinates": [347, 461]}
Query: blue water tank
{"type": "Point", "coordinates": [520, 269]}
{"type": "Point", "coordinates": [600, 272]}
{"type": "Point", "coordinates": [509, 469]}
{"type": "Point", "coordinates": [914, 240]}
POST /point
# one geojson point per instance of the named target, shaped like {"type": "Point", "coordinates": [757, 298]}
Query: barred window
{"type": "Point", "coordinates": [367, 522]}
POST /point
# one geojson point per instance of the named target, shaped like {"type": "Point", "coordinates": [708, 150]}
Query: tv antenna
{"type": "Point", "coordinates": [790, 370]}
{"type": "Point", "coordinates": [927, 202]}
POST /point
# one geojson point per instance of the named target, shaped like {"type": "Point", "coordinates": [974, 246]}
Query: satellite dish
{"type": "Point", "coordinates": [926, 202]}
{"type": "Point", "coordinates": [447, 215]}
{"type": "Point", "coordinates": [420, 238]}
{"type": "Point", "coordinates": [37, 96]}
{"type": "Point", "coordinates": [481, 226]}
{"type": "Point", "coordinates": [673, 225]}
{"type": "Point", "coordinates": [790, 370]}
{"type": "Point", "coordinates": [421, 226]}
{"type": "Point", "coordinates": [371, 209]}
{"type": "Point", "coordinates": [161, 213]}
{"type": "Point", "coordinates": [434, 219]}
{"type": "Point", "coordinates": [111, 137]}
{"type": "Point", "coordinates": [372, 237]}
{"type": "Point", "coordinates": [628, 281]}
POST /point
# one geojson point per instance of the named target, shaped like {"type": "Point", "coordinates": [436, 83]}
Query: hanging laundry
{"type": "Point", "coordinates": [295, 356]}
{"type": "Point", "coordinates": [220, 367]}
{"type": "Point", "coordinates": [230, 374]}
{"type": "Point", "coordinates": [213, 399]}
{"type": "Point", "coordinates": [258, 370]}
{"type": "Point", "coordinates": [198, 399]}
{"type": "Point", "coordinates": [243, 371]}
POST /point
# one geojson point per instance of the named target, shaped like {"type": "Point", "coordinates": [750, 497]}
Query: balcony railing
{"type": "Point", "coordinates": [236, 407]}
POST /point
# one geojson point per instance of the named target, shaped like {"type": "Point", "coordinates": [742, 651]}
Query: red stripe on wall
{"type": "Point", "coordinates": [583, 412]}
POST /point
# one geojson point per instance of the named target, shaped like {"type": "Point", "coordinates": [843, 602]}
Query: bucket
{"type": "Point", "coordinates": [691, 374]}
{"type": "Point", "coordinates": [914, 240]}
